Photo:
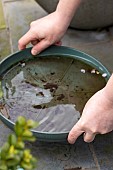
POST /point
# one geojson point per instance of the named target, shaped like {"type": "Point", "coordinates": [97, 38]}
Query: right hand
{"type": "Point", "coordinates": [43, 33]}
{"type": "Point", "coordinates": [97, 118]}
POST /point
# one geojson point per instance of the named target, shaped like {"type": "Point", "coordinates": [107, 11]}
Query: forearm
{"type": "Point", "coordinates": [109, 89]}
{"type": "Point", "coordinates": [66, 10]}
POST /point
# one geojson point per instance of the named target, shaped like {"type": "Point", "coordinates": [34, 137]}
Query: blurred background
{"type": "Point", "coordinates": [91, 31]}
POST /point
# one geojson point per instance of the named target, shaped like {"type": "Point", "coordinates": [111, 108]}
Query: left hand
{"type": "Point", "coordinates": [44, 32]}
{"type": "Point", "coordinates": [97, 118]}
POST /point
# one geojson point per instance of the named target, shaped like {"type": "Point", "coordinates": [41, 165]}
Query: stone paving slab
{"type": "Point", "coordinates": [4, 43]}
{"type": "Point", "coordinates": [77, 37]}
{"type": "Point", "coordinates": [23, 12]}
{"type": "Point", "coordinates": [61, 156]}
{"type": "Point", "coordinates": [2, 19]}
{"type": "Point", "coordinates": [103, 146]}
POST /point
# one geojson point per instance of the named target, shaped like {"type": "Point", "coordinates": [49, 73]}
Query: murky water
{"type": "Point", "coordinates": [52, 91]}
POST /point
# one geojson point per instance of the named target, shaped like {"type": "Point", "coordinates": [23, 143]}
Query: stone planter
{"type": "Point", "coordinates": [91, 14]}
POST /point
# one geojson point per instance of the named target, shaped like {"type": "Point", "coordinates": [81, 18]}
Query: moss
{"type": "Point", "coordinates": [4, 44]}
{"type": "Point", "coordinates": [2, 19]}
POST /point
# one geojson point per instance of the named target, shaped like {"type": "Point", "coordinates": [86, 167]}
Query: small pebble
{"type": "Point", "coordinates": [104, 74]}
{"type": "Point", "coordinates": [93, 71]}
{"type": "Point", "coordinates": [97, 72]}
{"type": "Point", "coordinates": [83, 70]}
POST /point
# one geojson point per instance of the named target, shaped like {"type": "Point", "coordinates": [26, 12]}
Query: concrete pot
{"type": "Point", "coordinates": [91, 14]}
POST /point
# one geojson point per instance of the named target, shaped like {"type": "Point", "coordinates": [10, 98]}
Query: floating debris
{"type": "Point", "coordinates": [51, 86]}
{"type": "Point", "coordinates": [60, 97]}
{"type": "Point", "coordinates": [23, 65]}
{"type": "Point", "coordinates": [4, 110]}
{"type": "Point", "coordinates": [40, 94]}
{"type": "Point", "coordinates": [52, 73]}
{"type": "Point", "coordinates": [104, 75]}
{"type": "Point", "coordinates": [93, 71]}
{"type": "Point", "coordinates": [39, 107]}
{"type": "Point", "coordinates": [83, 70]}
{"type": "Point", "coordinates": [97, 72]}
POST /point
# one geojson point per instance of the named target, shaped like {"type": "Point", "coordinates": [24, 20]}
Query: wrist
{"type": "Point", "coordinates": [66, 10]}
{"type": "Point", "coordinates": [108, 89]}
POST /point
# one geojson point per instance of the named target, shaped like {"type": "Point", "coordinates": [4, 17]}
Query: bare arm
{"type": "Point", "coordinates": [66, 9]}
{"type": "Point", "coordinates": [109, 89]}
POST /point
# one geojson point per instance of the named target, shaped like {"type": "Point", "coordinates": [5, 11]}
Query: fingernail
{"type": "Point", "coordinates": [34, 52]}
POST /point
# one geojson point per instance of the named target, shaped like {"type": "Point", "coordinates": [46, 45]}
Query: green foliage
{"type": "Point", "coordinates": [13, 154]}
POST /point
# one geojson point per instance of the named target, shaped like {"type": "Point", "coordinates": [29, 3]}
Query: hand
{"type": "Point", "coordinates": [43, 33]}
{"type": "Point", "coordinates": [97, 118]}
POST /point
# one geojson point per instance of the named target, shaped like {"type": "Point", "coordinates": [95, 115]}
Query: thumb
{"type": "Point", "coordinates": [40, 46]}
{"type": "Point", "coordinates": [75, 132]}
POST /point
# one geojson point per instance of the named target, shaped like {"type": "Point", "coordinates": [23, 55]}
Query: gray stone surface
{"type": "Point", "coordinates": [103, 146]}
{"type": "Point", "coordinates": [4, 43]}
{"type": "Point", "coordinates": [101, 51]}
{"type": "Point", "coordinates": [89, 15]}
{"type": "Point", "coordinates": [23, 12]}
{"type": "Point", "coordinates": [98, 43]}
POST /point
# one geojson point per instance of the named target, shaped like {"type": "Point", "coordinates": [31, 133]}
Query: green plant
{"type": "Point", "coordinates": [13, 154]}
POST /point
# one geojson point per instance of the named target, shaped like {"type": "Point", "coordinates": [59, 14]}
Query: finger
{"type": "Point", "coordinates": [25, 40]}
{"type": "Point", "coordinates": [75, 132]}
{"type": "Point", "coordinates": [89, 137]}
{"type": "Point", "coordinates": [34, 42]}
{"type": "Point", "coordinates": [43, 44]}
